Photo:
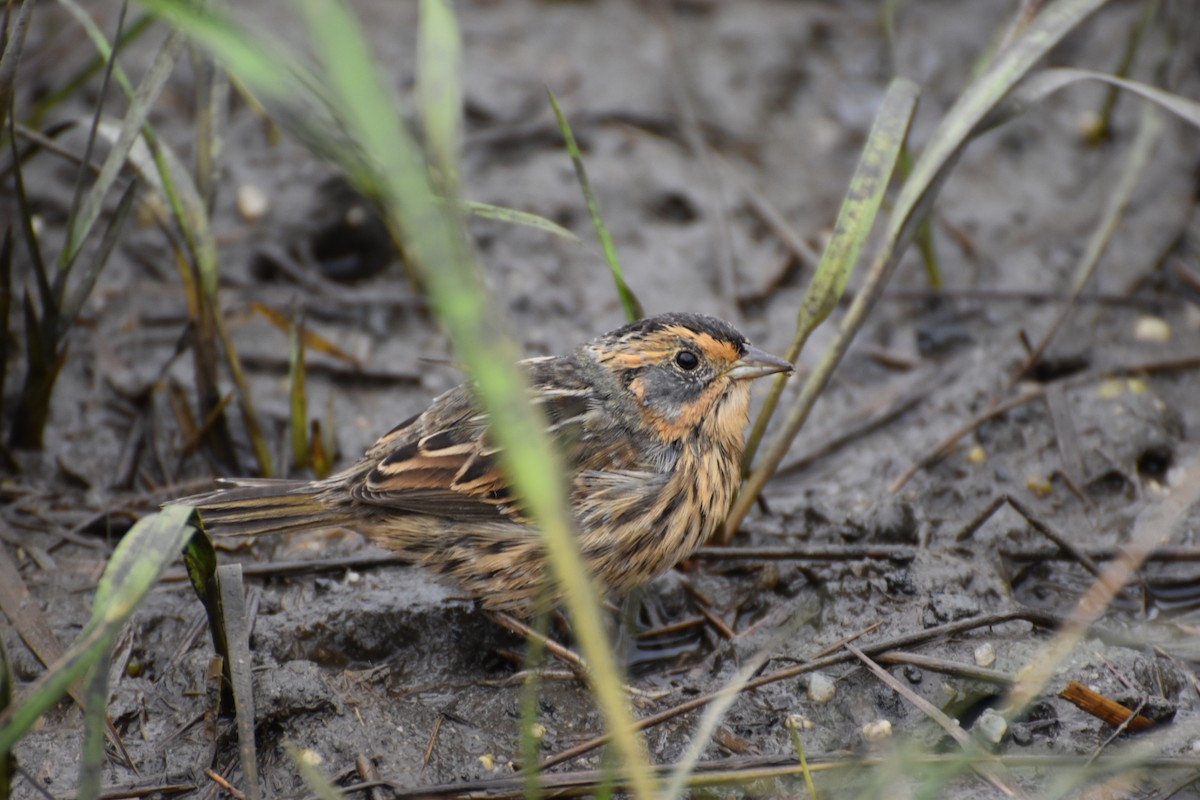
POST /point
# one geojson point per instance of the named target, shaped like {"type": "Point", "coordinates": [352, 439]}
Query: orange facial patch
{"type": "Point", "coordinates": [716, 350]}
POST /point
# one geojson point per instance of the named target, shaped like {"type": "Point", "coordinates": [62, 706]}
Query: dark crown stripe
{"type": "Point", "coordinates": [701, 323]}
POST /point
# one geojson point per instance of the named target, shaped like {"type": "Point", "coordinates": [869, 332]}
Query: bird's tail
{"type": "Point", "coordinates": [251, 507]}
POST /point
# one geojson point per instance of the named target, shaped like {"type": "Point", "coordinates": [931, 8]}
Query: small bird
{"type": "Point", "coordinates": [649, 419]}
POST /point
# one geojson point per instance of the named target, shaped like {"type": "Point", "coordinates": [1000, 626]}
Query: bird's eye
{"type": "Point", "coordinates": [687, 360]}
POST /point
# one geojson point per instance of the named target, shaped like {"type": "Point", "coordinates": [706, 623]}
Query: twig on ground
{"type": "Point", "coordinates": [906, 641]}
{"type": "Point", "coordinates": [981, 761]}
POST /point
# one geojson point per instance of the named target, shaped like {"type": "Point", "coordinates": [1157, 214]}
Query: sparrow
{"type": "Point", "coordinates": [649, 420]}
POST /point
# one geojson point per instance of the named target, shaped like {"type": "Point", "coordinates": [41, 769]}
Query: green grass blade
{"type": "Point", "coordinates": [95, 719]}
{"type": "Point", "coordinates": [793, 726]}
{"type": "Point", "coordinates": [11, 56]}
{"type": "Point", "coordinates": [258, 440]}
{"type": "Point", "coordinates": [531, 744]}
{"type": "Point", "coordinates": [439, 89]}
{"type": "Point", "coordinates": [211, 119]}
{"type": "Point", "coordinates": [233, 614]}
{"type": "Point", "coordinates": [43, 363]}
{"type": "Point", "coordinates": [1102, 128]}
{"type": "Point", "coordinates": [855, 220]}
{"type": "Point", "coordinates": [307, 764]}
{"type": "Point", "coordinates": [1141, 150]}
{"type": "Point", "coordinates": [961, 123]}
{"type": "Point", "coordinates": [256, 60]}
{"type": "Point", "coordinates": [136, 564]}
{"type": "Point", "coordinates": [86, 281]}
{"type": "Point", "coordinates": [81, 174]}
{"type": "Point", "coordinates": [1040, 85]}
{"type": "Point", "coordinates": [957, 128]}
{"type": "Point", "coordinates": [436, 242]}
{"type": "Point", "coordinates": [633, 307]}
{"type": "Point", "coordinates": [101, 43]}
{"type": "Point", "coordinates": [130, 130]}
{"type": "Point", "coordinates": [298, 396]}
{"type": "Point", "coordinates": [200, 561]}
{"type": "Point", "coordinates": [514, 217]}
{"type": "Point", "coordinates": [49, 319]}
{"type": "Point", "coordinates": [74, 85]}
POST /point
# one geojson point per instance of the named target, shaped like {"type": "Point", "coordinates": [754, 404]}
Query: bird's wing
{"type": "Point", "coordinates": [442, 462]}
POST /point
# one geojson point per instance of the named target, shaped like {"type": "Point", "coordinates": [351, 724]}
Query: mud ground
{"type": "Point", "coordinates": [383, 663]}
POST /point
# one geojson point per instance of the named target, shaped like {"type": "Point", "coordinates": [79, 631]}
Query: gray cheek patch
{"type": "Point", "coordinates": [668, 391]}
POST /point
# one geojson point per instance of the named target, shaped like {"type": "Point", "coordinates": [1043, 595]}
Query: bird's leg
{"type": "Point", "coordinates": [573, 659]}
{"type": "Point", "coordinates": [624, 627]}
{"type": "Point", "coordinates": [515, 625]}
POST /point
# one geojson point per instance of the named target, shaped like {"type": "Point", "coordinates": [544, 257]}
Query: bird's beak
{"type": "Point", "coordinates": [756, 363]}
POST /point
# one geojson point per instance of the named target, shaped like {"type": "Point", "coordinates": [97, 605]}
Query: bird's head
{"type": "Point", "coordinates": [686, 373]}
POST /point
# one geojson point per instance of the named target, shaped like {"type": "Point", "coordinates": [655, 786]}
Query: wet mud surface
{"type": "Point", "coordinates": [382, 662]}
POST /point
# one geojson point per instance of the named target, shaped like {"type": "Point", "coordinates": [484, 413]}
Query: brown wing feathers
{"type": "Point", "coordinates": [253, 508]}
{"type": "Point", "coordinates": [438, 463]}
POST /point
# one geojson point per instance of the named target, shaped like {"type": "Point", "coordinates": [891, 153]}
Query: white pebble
{"type": "Point", "coordinates": [252, 202]}
{"type": "Point", "coordinates": [1152, 329]}
{"type": "Point", "coordinates": [877, 731]}
{"type": "Point", "coordinates": [985, 655]}
{"type": "Point", "coordinates": [821, 688]}
{"type": "Point", "coordinates": [991, 726]}
{"type": "Point", "coordinates": [800, 722]}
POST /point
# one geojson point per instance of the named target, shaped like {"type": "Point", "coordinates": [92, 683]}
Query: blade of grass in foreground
{"type": "Point", "coordinates": [854, 222]}
{"type": "Point", "coordinates": [960, 124]}
{"type": "Point", "coordinates": [633, 307]}
{"type": "Point", "coordinates": [439, 87]}
{"type": "Point", "coordinates": [91, 760]}
{"type": "Point", "coordinates": [143, 554]}
{"type": "Point", "coordinates": [434, 239]}
{"type": "Point", "coordinates": [233, 614]}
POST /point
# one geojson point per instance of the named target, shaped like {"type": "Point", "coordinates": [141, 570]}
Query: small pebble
{"type": "Point", "coordinates": [800, 722]}
{"type": "Point", "coordinates": [1039, 485]}
{"type": "Point", "coordinates": [252, 202]}
{"type": "Point", "coordinates": [1152, 329]}
{"type": "Point", "coordinates": [991, 726]}
{"type": "Point", "coordinates": [985, 654]}
{"type": "Point", "coordinates": [310, 757]}
{"type": "Point", "coordinates": [877, 731]}
{"type": "Point", "coordinates": [821, 688]}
